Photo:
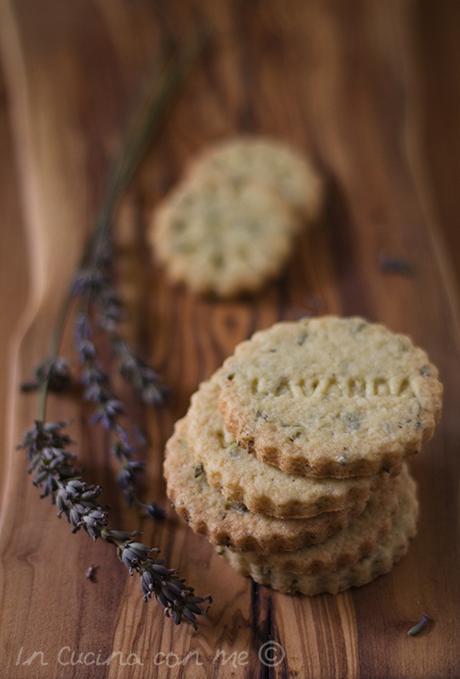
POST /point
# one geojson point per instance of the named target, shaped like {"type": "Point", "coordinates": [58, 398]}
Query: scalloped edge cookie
{"type": "Point", "coordinates": [231, 524]}
{"type": "Point", "coordinates": [298, 422]}
{"type": "Point", "coordinates": [381, 561]}
{"type": "Point", "coordinates": [220, 238]}
{"type": "Point", "coordinates": [271, 162]}
{"type": "Point", "coordinates": [355, 542]}
{"type": "Point", "coordinates": [241, 477]}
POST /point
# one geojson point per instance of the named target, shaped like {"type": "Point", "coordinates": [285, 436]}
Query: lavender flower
{"type": "Point", "coordinates": [46, 444]}
{"type": "Point", "coordinates": [154, 511]}
{"type": "Point", "coordinates": [54, 470]}
{"type": "Point", "coordinates": [126, 479]}
{"type": "Point", "coordinates": [109, 410]}
{"type": "Point", "coordinates": [176, 597]}
{"type": "Point", "coordinates": [55, 372]}
{"type": "Point", "coordinates": [144, 380]}
{"type": "Point", "coordinates": [95, 284]}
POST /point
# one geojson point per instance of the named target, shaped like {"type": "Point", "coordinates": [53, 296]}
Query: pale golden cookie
{"type": "Point", "coordinates": [380, 561]}
{"type": "Point", "coordinates": [222, 238]}
{"type": "Point", "coordinates": [272, 163]}
{"type": "Point", "coordinates": [330, 396]}
{"type": "Point", "coordinates": [226, 523]}
{"type": "Point", "coordinates": [241, 477]}
{"type": "Point", "coordinates": [355, 542]}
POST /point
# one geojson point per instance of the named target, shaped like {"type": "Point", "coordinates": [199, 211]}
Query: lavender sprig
{"type": "Point", "coordinates": [52, 465]}
{"type": "Point", "coordinates": [109, 410]}
{"type": "Point", "coordinates": [54, 471]}
{"type": "Point", "coordinates": [54, 371]}
{"type": "Point", "coordinates": [95, 284]}
{"type": "Point", "coordinates": [177, 598]}
{"type": "Point", "coordinates": [143, 378]}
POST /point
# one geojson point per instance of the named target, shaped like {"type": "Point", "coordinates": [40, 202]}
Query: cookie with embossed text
{"type": "Point", "coordinates": [330, 397]}
{"type": "Point", "coordinates": [262, 488]}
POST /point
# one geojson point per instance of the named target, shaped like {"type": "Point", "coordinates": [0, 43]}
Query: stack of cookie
{"type": "Point", "coordinates": [291, 458]}
{"type": "Point", "coordinates": [231, 223]}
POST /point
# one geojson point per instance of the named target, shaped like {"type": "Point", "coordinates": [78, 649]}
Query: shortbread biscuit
{"type": "Point", "coordinates": [223, 238]}
{"type": "Point", "coordinates": [330, 396]}
{"type": "Point", "coordinates": [272, 163]}
{"type": "Point", "coordinates": [380, 561]}
{"type": "Point", "coordinates": [355, 542]}
{"type": "Point", "coordinates": [225, 523]}
{"type": "Point", "coordinates": [241, 477]}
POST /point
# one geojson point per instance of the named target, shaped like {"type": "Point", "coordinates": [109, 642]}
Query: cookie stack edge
{"type": "Point", "coordinates": [307, 532]}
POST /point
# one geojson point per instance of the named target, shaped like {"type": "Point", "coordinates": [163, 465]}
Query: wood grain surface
{"type": "Point", "coordinates": [370, 90]}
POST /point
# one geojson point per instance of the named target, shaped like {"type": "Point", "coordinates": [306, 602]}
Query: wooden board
{"type": "Point", "coordinates": [354, 84]}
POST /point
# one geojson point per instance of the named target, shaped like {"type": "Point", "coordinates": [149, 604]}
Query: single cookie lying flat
{"type": "Point", "coordinates": [226, 523]}
{"type": "Point", "coordinates": [355, 542]}
{"type": "Point", "coordinates": [241, 477]}
{"type": "Point", "coordinates": [223, 238]}
{"type": "Point", "coordinates": [271, 163]}
{"type": "Point", "coordinates": [330, 396]}
{"type": "Point", "coordinates": [380, 561]}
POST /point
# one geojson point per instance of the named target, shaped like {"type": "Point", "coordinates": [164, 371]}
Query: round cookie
{"type": "Point", "coordinates": [223, 238]}
{"type": "Point", "coordinates": [330, 396]}
{"type": "Point", "coordinates": [272, 163]}
{"type": "Point", "coordinates": [241, 477]}
{"type": "Point", "coordinates": [206, 510]}
{"type": "Point", "coordinates": [388, 552]}
{"type": "Point", "coordinates": [355, 542]}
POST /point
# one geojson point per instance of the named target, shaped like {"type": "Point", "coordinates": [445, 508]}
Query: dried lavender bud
{"type": "Point", "coordinates": [126, 479]}
{"type": "Point", "coordinates": [95, 284]}
{"type": "Point", "coordinates": [54, 372]}
{"type": "Point", "coordinates": [110, 309]}
{"type": "Point", "coordinates": [153, 511]}
{"type": "Point", "coordinates": [45, 444]}
{"type": "Point", "coordinates": [177, 598]}
{"type": "Point", "coordinates": [122, 451]}
{"type": "Point", "coordinates": [54, 471]}
{"type": "Point", "coordinates": [396, 265]}
{"type": "Point", "coordinates": [422, 623]}
{"type": "Point", "coordinates": [90, 573]}
{"type": "Point", "coordinates": [108, 412]}
{"type": "Point", "coordinates": [143, 379]}
{"type": "Point", "coordinates": [109, 409]}
{"type": "Point", "coordinates": [89, 281]}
